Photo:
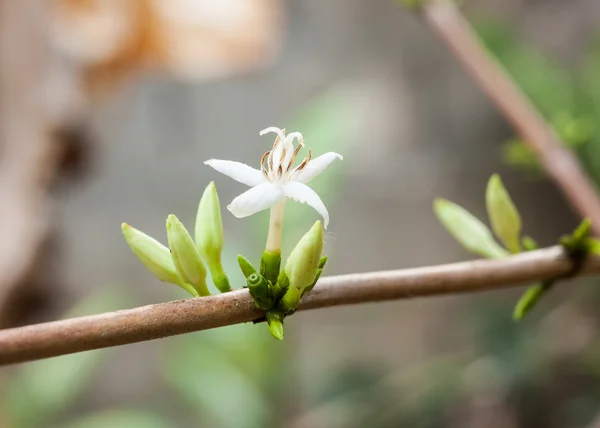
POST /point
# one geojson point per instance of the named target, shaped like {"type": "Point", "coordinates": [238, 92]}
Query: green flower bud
{"type": "Point", "coordinates": [258, 285]}
{"type": "Point", "coordinates": [275, 321]}
{"type": "Point", "coordinates": [185, 255]}
{"type": "Point", "coordinates": [261, 291]}
{"type": "Point", "coordinates": [302, 265]}
{"type": "Point", "coordinates": [269, 265]}
{"type": "Point", "coordinates": [155, 256]}
{"type": "Point", "coordinates": [209, 236]}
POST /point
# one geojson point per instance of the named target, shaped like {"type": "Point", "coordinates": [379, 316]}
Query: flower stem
{"type": "Point", "coordinates": [275, 228]}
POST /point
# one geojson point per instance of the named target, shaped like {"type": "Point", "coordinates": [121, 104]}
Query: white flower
{"type": "Point", "coordinates": [277, 178]}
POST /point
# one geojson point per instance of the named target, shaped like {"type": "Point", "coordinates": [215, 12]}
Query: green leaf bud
{"type": "Point", "coordinates": [504, 217]}
{"type": "Point", "coordinates": [471, 233]}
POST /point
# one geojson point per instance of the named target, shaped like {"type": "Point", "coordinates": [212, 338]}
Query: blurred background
{"type": "Point", "coordinates": [108, 109]}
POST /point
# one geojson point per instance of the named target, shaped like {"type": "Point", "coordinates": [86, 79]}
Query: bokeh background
{"type": "Point", "coordinates": [108, 109]}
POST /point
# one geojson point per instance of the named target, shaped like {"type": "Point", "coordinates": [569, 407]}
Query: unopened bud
{"type": "Point", "coordinates": [155, 256]}
{"type": "Point", "coordinates": [209, 236]}
{"type": "Point", "coordinates": [185, 255]}
{"type": "Point", "coordinates": [302, 265]}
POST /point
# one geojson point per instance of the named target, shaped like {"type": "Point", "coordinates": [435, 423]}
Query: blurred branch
{"type": "Point", "coordinates": [446, 20]}
{"type": "Point", "coordinates": [184, 316]}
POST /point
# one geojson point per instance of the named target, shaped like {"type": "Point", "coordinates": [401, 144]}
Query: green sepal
{"type": "Point", "coordinates": [530, 298]}
{"type": "Point", "coordinates": [311, 286]}
{"type": "Point", "coordinates": [275, 321]}
{"type": "Point", "coordinates": [245, 266]}
{"type": "Point", "coordinates": [322, 262]}
{"type": "Point", "coordinates": [270, 264]}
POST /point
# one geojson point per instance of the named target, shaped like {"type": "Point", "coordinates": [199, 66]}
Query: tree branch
{"type": "Point", "coordinates": [561, 165]}
{"type": "Point", "coordinates": [183, 316]}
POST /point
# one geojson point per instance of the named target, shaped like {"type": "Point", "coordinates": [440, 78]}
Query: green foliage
{"type": "Point", "coordinates": [125, 418]}
{"type": "Point", "coordinates": [474, 236]}
{"type": "Point", "coordinates": [568, 99]}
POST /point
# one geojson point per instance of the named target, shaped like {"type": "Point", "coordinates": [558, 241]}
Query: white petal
{"type": "Point", "coordinates": [316, 166]}
{"type": "Point", "coordinates": [304, 194]}
{"type": "Point", "coordinates": [238, 171]}
{"type": "Point", "coordinates": [256, 199]}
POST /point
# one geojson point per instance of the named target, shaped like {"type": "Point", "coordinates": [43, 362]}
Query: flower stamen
{"type": "Point", "coordinates": [262, 164]}
{"type": "Point", "coordinates": [300, 145]}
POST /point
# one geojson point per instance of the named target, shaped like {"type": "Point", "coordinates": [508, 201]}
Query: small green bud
{"type": "Point", "coordinates": [261, 291]}
{"type": "Point", "coordinates": [257, 285]}
{"type": "Point", "coordinates": [246, 266]}
{"type": "Point", "coordinates": [270, 264]}
{"type": "Point", "coordinates": [155, 256]}
{"type": "Point", "coordinates": [302, 265]}
{"type": "Point", "coordinates": [275, 320]}
{"type": "Point", "coordinates": [505, 219]}
{"type": "Point", "coordinates": [185, 255]}
{"type": "Point", "coordinates": [471, 233]}
{"type": "Point", "coordinates": [209, 235]}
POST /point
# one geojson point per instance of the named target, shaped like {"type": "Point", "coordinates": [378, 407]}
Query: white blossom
{"type": "Point", "coordinates": [277, 177]}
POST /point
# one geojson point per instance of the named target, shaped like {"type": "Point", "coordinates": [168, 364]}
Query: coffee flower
{"type": "Point", "coordinates": [277, 177]}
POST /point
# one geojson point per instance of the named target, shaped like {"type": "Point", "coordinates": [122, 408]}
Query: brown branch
{"type": "Point", "coordinates": [184, 316]}
{"type": "Point", "coordinates": [446, 20]}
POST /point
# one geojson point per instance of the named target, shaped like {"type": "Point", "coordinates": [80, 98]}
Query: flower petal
{"type": "Point", "coordinates": [256, 199]}
{"type": "Point", "coordinates": [238, 171]}
{"type": "Point", "coordinates": [316, 166]}
{"type": "Point", "coordinates": [302, 193]}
